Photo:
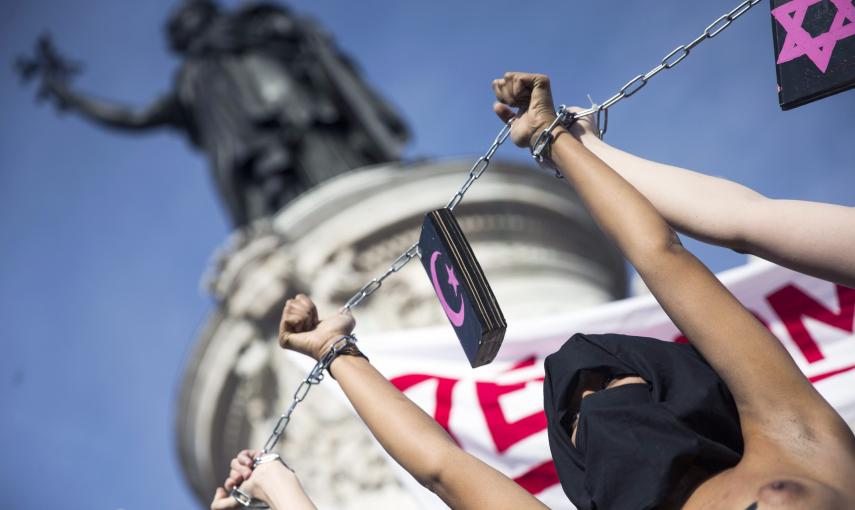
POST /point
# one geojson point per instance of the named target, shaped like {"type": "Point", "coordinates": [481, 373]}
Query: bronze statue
{"type": "Point", "coordinates": [264, 93]}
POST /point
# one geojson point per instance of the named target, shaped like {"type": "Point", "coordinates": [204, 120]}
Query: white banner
{"type": "Point", "coordinates": [496, 412]}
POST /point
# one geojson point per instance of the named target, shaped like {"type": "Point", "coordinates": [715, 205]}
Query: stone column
{"type": "Point", "coordinates": [540, 250]}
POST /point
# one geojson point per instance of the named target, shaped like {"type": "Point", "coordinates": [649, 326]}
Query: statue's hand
{"type": "Point", "coordinates": [57, 92]}
{"type": "Point", "coordinates": [51, 69]}
{"type": "Point", "coordinates": [301, 331]}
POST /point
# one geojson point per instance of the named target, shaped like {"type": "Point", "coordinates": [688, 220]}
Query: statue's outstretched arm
{"type": "Point", "coordinates": [54, 72]}
{"type": "Point", "coordinates": [164, 111]}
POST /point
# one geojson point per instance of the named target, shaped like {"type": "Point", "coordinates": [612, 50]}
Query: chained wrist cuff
{"type": "Point", "coordinates": [270, 457]}
{"type": "Point", "coordinates": [244, 498]}
{"type": "Point", "coordinates": [346, 346]}
{"type": "Point", "coordinates": [542, 148]}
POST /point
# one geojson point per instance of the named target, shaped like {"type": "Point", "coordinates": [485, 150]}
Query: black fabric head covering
{"type": "Point", "coordinates": [638, 446]}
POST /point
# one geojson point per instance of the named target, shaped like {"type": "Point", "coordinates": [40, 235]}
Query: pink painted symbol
{"type": "Point", "coordinates": [456, 317]}
{"type": "Point", "coordinates": [799, 42]}
{"type": "Point", "coordinates": [452, 279]}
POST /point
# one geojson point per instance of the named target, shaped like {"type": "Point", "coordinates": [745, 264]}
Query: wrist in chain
{"type": "Point", "coordinates": [540, 153]}
{"type": "Point", "coordinates": [244, 498]}
{"type": "Point", "coordinates": [344, 346]}
{"type": "Point", "coordinates": [601, 111]}
{"type": "Point", "coordinates": [270, 457]}
{"type": "Point", "coordinates": [542, 148]}
{"type": "Point", "coordinates": [336, 348]}
{"type": "Point", "coordinates": [315, 377]}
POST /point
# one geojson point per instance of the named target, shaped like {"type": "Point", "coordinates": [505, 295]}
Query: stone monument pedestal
{"type": "Point", "coordinates": [538, 247]}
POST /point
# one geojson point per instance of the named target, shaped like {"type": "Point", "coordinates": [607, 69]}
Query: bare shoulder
{"type": "Point", "coordinates": [814, 472]}
{"type": "Point", "coordinates": [811, 429]}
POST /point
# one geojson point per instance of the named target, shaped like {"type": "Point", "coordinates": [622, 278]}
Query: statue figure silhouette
{"type": "Point", "coordinates": [265, 94]}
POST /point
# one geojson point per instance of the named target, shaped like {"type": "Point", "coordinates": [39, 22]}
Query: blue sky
{"type": "Point", "coordinates": [105, 236]}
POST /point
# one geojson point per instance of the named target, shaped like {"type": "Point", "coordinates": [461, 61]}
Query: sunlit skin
{"type": "Point", "coordinates": [271, 482]}
{"type": "Point", "coordinates": [791, 493]}
{"type": "Point", "coordinates": [799, 453]}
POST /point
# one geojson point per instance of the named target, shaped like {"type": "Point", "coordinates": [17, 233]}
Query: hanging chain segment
{"type": "Point", "coordinates": [412, 252]}
{"type": "Point", "coordinates": [669, 61]}
{"type": "Point", "coordinates": [565, 117]}
{"type": "Point", "coordinates": [480, 165]}
{"type": "Point", "coordinates": [375, 283]}
{"type": "Point", "coordinates": [316, 375]}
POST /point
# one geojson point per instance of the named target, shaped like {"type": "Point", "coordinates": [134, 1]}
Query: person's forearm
{"type": "Point", "coordinates": [687, 291]}
{"type": "Point", "coordinates": [699, 205]}
{"type": "Point", "coordinates": [621, 211]}
{"type": "Point", "coordinates": [412, 438]}
{"type": "Point", "coordinates": [809, 237]}
{"type": "Point", "coordinates": [282, 489]}
{"type": "Point", "coordinates": [422, 447]}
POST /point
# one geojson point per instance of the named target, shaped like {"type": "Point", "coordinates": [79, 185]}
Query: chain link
{"type": "Point", "coordinates": [370, 287]}
{"type": "Point", "coordinates": [669, 61]}
{"type": "Point", "coordinates": [565, 117]}
{"type": "Point", "coordinates": [316, 375]}
{"type": "Point", "coordinates": [477, 170]}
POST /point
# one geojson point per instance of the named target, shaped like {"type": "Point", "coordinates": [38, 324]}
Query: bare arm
{"type": "Point", "coordinates": [407, 433]}
{"type": "Point", "coordinates": [738, 347]}
{"type": "Point", "coordinates": [284, 492]}
{"type": "Point", "coordinates": [811, 237]}
{"type": "Point", "coordinates": [162, 112]}
{"type": "Point", "coordinates": [270, 482]}
{"type": "Point", "coordinates": [422, 447]}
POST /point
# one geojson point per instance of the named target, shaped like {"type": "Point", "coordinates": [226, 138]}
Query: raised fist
{"type": "Point", "coordinates": [530, 94]}
{"type": "Point", "coordinates": [301, 331]}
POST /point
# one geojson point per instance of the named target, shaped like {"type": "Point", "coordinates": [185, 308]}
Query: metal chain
{"type": "Point", "coordinates": [564, 116]}
{"type": "Point", "coordinates": [316, 375]}
{"type": "Point", "coordinates": [375, 283]}
{"type": "Point", "coordinates": [478, 169]}
{"type": "Point", "coordinates": [669, 61]}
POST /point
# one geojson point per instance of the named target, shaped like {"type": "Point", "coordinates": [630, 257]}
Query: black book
{"type": "Point", "coordinates": [461, 287]}
{"type": "Point", "coordinates": [814, 49]}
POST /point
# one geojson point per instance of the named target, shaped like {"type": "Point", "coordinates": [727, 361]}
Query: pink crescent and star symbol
{"type": "Point", "coordinates": [455, 316]}
{"type": "Point", "coordinates": [798, 41]}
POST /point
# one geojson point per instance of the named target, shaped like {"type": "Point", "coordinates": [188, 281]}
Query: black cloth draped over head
{"type": "Point", "coordinates": [638, 446]}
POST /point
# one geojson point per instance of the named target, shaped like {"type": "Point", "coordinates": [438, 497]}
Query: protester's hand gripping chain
{"type": "Point", "coordinates": [316, 375]}
{"type": "Point", "coordinates": [563, 116]}
{"type": "Point", "coordinates": [566, 118]}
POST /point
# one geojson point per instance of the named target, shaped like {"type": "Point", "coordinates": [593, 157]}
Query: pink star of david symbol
{"type": "Point", "coordinates": [799, 42]}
